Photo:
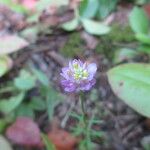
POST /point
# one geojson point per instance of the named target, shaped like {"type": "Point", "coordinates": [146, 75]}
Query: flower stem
{"type": "Point", "coordinates": [85, 120]}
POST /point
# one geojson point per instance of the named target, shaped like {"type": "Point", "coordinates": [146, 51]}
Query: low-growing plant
{"type": "Point", "coordinates": [21, 104]}
{"type": "Point", "coordinates": [140, 25]}
{"type": "Point", "coordinates": [87, 10]}
{"type": "Point", "coordinates": [78, 78]}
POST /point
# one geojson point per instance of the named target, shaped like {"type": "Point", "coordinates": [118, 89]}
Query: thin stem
{"type": "Point", "coordinates": [85, 120]}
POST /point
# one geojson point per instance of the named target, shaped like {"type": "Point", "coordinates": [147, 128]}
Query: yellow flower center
{"type": "Point", "coordinates": [79, 73]}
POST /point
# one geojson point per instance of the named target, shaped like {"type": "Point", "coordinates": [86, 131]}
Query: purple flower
{"type": "Point", "coordinates": [78, 76]}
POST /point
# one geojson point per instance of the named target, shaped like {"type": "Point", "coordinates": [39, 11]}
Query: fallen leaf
{"type": "Point", "coordinates": [24, 132]}
{"type": "Point", "coordinates": [62, 139]}
{"type": "Point", "coordinates": [11, 43]}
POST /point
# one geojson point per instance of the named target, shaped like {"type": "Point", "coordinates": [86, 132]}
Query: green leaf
{"type": "Point", "coordinates": [94, 27]}
{"type": "Point", "coordinates": [25, 81]}
{"type": "Point", "coordinates": [106, 6]}
{"type": "Point", "coordinates": [139, 21]}
{"type": "Point", "coordinates": [43, 4]}
{"type": "Point", "coordinates": [8, 105]}
{"type": "Point", "coordinates": [30, 33]}
{"type": "Point", "coordinates": [83, 5]}
{"type": "Point", "coordinates": [145, 39]}
{"type": "Point", "coordinates": [4, 144]}
{"type": "Point", "coordinates": [37, 104]}
{"type": "Point", "coordinates": [71, 25]}
{"type": "Point", "coordinates": [14, 6]}
{"type": "Point", "coordinates": [3, 124]}
{"type": "Point", "coordinates": [90, 9]}
{"type": "Point", "coordinates": [41, 77]}
{"type": "Point", "coordinates": [25, 110]}
{"type": "Point", "coordinates": [144, 48]}
{"type": "Point", "coordinates": [5, 64]}
{"type": "Point", "coordinates": [52, 100]}
{"type": "Point", "coordinates": [48, 144]}
{"type": "Point", "coordinates": [7, 44]}
{"type": "Point", "coordinates": [131, 83]}
{"type": "Point", "coordinates": [124, 54]}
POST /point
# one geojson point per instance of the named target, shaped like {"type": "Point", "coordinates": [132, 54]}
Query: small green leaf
{"type": "Point", "coordinates": [43, 4]}
{"type": "Point", "coordinates": [25, 81]}
{"type": "Point", "coordinates": [48, 144]}
{"type": "Point", "coordinates": [124, 54]}
{"type": "Point", "coordinates": [131, 83]}
{"type": "Point", "coordinates": [144, 48]}
{"type": "Point", "coordinates": [3, 124]}
{"type": "Point", "coordinates": [25, 111]}
{"type": "Point", "coordinates": [139, 21]}
{"type": "Point", "coordinates": [41, 77]}
{"type": "Point", "coordinates": [30, 33]}
{"type": "Point", "coordinates": [145, 39]}
{"type": "Point", "coordinates": [94, 27]}
{"type": "Point", "coordinates": [8, 105]}
{"type": "Point", "coordinates": [71, 25]}
{"type": "Point", "coordinates": [37, 104]}
{"type": "Point", "coordinates": [4, 144]}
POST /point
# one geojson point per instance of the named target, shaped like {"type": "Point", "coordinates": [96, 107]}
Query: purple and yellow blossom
{"type": "Point", "coordinates": [78, 76]}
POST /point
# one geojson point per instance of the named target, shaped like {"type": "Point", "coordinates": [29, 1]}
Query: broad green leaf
{"type": "Point", "coordinates": [48, 144]}
{"type": "Point", "coordinates": [131, 83]}
{"type": "Point", "coordinates": [8, 105]}
{"type": "Point", "coordinates": [5, 64]}
{"type": "Point", "coordinates": [71, 25]}
{"type": "Point", "coordinates": [139, 21]}
{"type": "Point", "coordinates": [83, 5]}
{"type": "Point", "coordinates": [11, 43]}
{"type": "Point", "coordinates": [25, 81]}
{"type": "Point", "coordinates": [90, 9]}
{"type": "Point", "coordinates": [106, 6]}
{"type": "Point", "coordinates": [94, 27]}
{"type": "Point", "coordinates": [145, 39]}
{"type": "Point", "coordinates": [4, 144]}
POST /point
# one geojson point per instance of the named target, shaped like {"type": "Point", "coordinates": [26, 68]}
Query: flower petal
{"type": "Point", "coordinates": [68, 86]}
{"type": "Point", "coordinates": [92, 68]}
{"type": "Point", "coordinates": [88, 85]}
{"type": "Point", "coordinates": [65, 73]}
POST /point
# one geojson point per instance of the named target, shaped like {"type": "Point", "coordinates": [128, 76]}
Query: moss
{"type": "Point", "coordinates": [121, 34]}
{"type": "Point", "coordinates": [117, 35]}
{"type": "Point", "coordinates": [73, 46]}
{"type": "Point", "coordinates": [105, 47]}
